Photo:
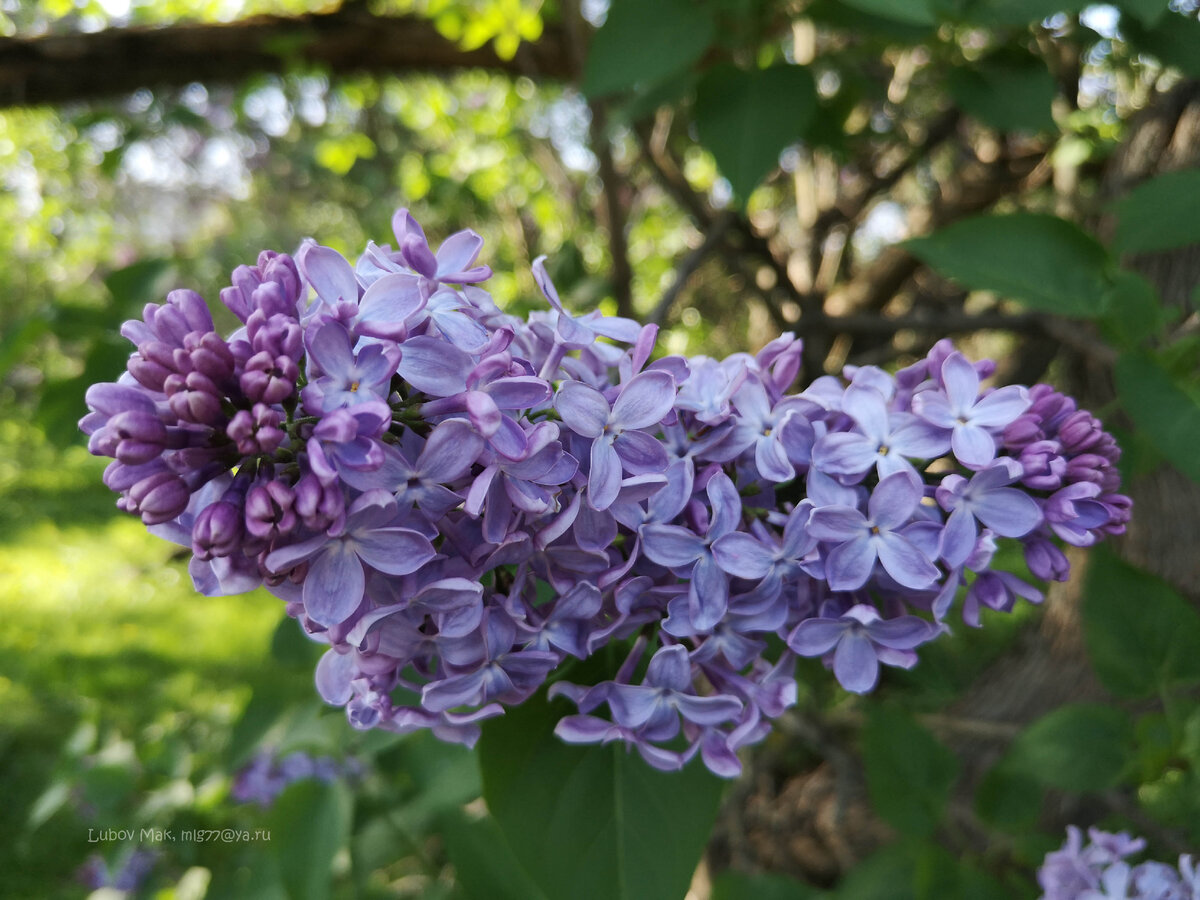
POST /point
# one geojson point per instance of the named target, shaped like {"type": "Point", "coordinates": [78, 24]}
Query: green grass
{"type": "Point", "coordinates": [103, 631]}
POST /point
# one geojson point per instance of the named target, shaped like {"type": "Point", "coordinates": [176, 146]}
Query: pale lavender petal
{"type": "Point", "coordinates": [645, 400]}
{"type": "Point", "coordinates": [390, 301]}
{"type": "Point", "coordinates": [519, 392]}
{"type": "Point", "coordinates": [837, 523]}
{"type": "Point", "coordinates": [707, 710]}
{"type": "Point", "coordinates": [1001, 407]}
{"type": "Point", "coordinates": [583, 408]}
{"type": "Point", "coordinates": [867, 407]}
{"type": "Point", "coordinates": [334, 673]}
{"type": "Point", "coordinates": [845, 453]}
{"type": "Point", "coordinates": [918, 439]}
{"type": "Point", "coordinates": [972, 445]}
{"type": "Point", "coordinates": [901, 633]}
{"type": "Point", "coordinates": [461, 330]}
{"type": "Point", "coordinates": [604, 479]}
{"type": "Point", "coordinates": [449, 452]}
{"type": "Point", "coordinates": [742, 555]}
{"type": "Point", "coordinates": [849, 565]}
{"type": "Point", "coordinates": [585, 730]}
{"type": "Point", "coordinates": [894, 500]}
{"type": "Point", "coordinates": [458, 252]}
{"type": "Point", "coordinates": [333, 588]}
{"type": "Point", "coordinates": [671, 545]}
{"type": "Point", "coordinates": [642, 453]}
{"type": "Point", "coordinates": [1008, 512]}
{"type": "Point", "coordinates": [934, 407]}
{"type": "Point", "coordinates": [958, 537]}
{"type": "Point", "coordinates": [670, 668]}
{"type": "Point", "coordinates": [617, 328]}
{"type": "Point", "coordinates": [632, 705]}
{"type": "Point", "coordinates": [816, 637]}
{"type": "Point", "coordinates": [459, 690]}
{"type": "Point", "coordinates": [855, 663]}
{"type": "Point", "coordinates": [961, 381]}
{"type": "Point", "coordinates": [328, 272]}
{"type": "Point", "coordinates": [545, 284]}
{"type": "Point", "coordinates": [396, 551]}
{"type": "Point", "coordinates": [904, 562]}
{"type": "Point", "coordinates": [434, 366]}
{"type": "Point", "coordinates": [708, 594]}
{"type": "Point", "coordinates": [509, 439]}
{"type": "Point", "coordinates": [726, 505]}
{"type": "Point", "coordinates": [771, 460]}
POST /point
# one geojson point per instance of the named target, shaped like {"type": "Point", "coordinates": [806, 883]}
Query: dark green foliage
{"type": "Point", "coordinates": [909, 773]}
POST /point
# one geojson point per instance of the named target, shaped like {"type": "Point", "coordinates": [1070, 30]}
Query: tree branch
{"type": "Point", "coordinates": [67, 68]}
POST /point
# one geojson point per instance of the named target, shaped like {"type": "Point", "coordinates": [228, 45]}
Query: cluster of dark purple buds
{"type": "Point", "coordinates": [268, 775]}
{"type": "Point", "coordinates": [459, 502]}
{"type": "Point", "coordinates": [1100, 870]}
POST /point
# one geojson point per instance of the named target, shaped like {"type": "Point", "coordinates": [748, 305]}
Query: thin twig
{"type": "Point", "coordinates": [689, 264]}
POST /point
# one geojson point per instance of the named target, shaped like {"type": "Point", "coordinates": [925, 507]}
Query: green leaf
{"type": "Point", "coordinates": [593, 823]}
{"type": "Point", "coordinates": [1009, 93]}
{"type": "Point", "coordinates": [1134, 310]}
{"type": "Point", "coordinates": [909, 773]}
{"type": "Point", "coordinates": [1160, 409]}
{"type": "Point", "coordinates": [733, 885]}
{"type": "Point", "coordinates": [641, 44]}
{"type": "Point", "coordinates": [1141, 635]}
{"type": "Point", "coordinates": [1148, 12]}
{"type": "Point", "coordinates": [1159, 214]}
{"type": "Point", "coordinates": [310, 823]}
{"type": "Point", "coordinates": [1043, 261]}
{"type": "Point", "coordinates": [910, 12]}
{"type": "Point", "coordinates": [1008, 798]}
{"type": "Point", "coordinates": [1079, 747]}
{"type": "Point", "coordinates": [747, 118]}
{"type": "Point", "coordinates": [484, 865]}
{"type": "Point", "coordinates": [1017, 12]}
{"type": "Point", "coordinates": [1173, 40]}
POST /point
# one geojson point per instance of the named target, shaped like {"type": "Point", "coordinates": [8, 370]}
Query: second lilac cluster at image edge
{"type": "Point", "coordinates": [406, 465]}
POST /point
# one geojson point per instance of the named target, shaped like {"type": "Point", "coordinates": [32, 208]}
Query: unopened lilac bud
{"type": "Point", "coordinates": [268, 379]}
{"type": "Point", "coordinates": [1043, 465]}
{"type": "Point", "coordinates": [152, 364]}
{"type": "Point", "coordinates": [318, 505]}
{"type": "Point", "coordinates": [278, 335]}
{"type": "Point", "coordinates": [271, 299]}
{"type": "Point", "coordinates": [218, 530]}
{"type": "Point", "coordinates": [1045, 560]}
{"type": "Point", "coordinates": [255, 431]}
{"type": "Point", "coordinates": [1023, 430]}
{"type": "Point", "coordinates": [194, 398]}
{"type": "Point", "coordinates": [159, 497]}
{"type": "Point", "coordinates": [210, 355]}
{"type": "Point", "coordinates": [269, 510]}
{"type": "Point", "coordinates": [281, 268]}
{"type": "Point", "coordinates": [1079, 432]}
{"type": "Point", "coordinates": [139, 437]}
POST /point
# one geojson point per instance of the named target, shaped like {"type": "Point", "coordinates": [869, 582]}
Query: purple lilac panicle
{"type": "Point", "coordinates": [1099, 870]}
{"type": "Point", "coordinates": [454, 500]}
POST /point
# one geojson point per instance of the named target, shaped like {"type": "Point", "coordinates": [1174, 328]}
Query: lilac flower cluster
{"type": "Point", "coordinates": [458, 501]}
{"type": "Point", "coordinates": [1099, 871]}
{"type": "Point", "coordinates": [267, 775]}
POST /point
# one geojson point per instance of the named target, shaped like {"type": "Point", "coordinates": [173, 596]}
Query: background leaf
{"type": "Point", "coordinates": [1141, 635]}
{"type": "Point", "coordinates": [909, 772]}
{"type": "Point", "coordinates": [1159, 214]}
{"type": "Point", "coordinates": [1079, 747]}
{"type": "Point", "coordinates": [310, 823]}
{"type": "Point", "coordinates": [1008, 93]}
{"type": "Point", "coordinates": [1161, 409]}
{"type": "Point", "coordinates": [747, 118]}
{"type": "Point", "coordinates": [593, 822]}
{"type": "Point", "coordinates": [1043, 261]}
{"type": "Point", "coordinates": [641, 44]}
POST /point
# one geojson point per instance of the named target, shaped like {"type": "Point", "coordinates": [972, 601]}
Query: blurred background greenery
{"type": "Point", "coordinates": [666, 180]}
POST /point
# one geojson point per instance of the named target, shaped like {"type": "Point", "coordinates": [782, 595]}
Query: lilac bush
{"type": "Point", "coordinates": [459, 502]}
{"type": "Point", "coordinates": [1099, 870]}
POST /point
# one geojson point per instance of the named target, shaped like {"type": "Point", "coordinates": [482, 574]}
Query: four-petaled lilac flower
{"type": "Point", "coordinates": [1005, 510]}
{"type": "Point", "coordinates": [878, 535]}
{"type": "Point", "coordinates": [679, 549]}
{"type": "Point", "coordinates": [745, 556]}
{"type": "Point", "coordinates": [884, 440]}
{"type": "Point", "coordinates": [346, 379]}
{"type": "Point", "coordinates": [972, 419]}
{"type": "Point", "coordinates": [860, 640]}
{"type": "Point", "coordinates": [336, 578]}
{"type": "Point", "coordinates": [617, 443]}
{"type": "Point", "coordinates": [666, 693]}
